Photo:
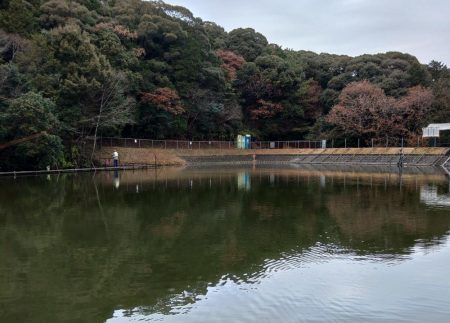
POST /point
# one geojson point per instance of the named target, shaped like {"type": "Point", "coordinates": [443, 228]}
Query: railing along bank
{"type": "Point", "coordinates": [279, 144]}
{"type": "Point", "coordinates": [205, 144]}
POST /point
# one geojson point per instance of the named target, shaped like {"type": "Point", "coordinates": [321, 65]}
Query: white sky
{"type": "Point", "coordinates": [351, 27]}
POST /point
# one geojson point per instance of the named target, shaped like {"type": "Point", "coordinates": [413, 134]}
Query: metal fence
{"type": "Point", "coordinates": [211, 144]}
{"type": "Point", "coordinates": [385, 142]}
{"type": "Point", "coordinates": [290, 144]}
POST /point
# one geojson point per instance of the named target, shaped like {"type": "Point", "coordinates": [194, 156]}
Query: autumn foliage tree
{"type": "Point", "coordinates": [362, 111]}
{"type": "Point", "coordinates": [366, 112]}
{"type": "Point", "coordinates": [265, 109]}
{"type": "Point", "coordinates": [414, 108]}
{"type": "Point", "coordinates": [232, 62]}
{"type": "Point", "coordinates": [164, 99]}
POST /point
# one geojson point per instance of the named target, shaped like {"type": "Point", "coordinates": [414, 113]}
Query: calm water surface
{"type": "Point", "coordinates": [230, 245]}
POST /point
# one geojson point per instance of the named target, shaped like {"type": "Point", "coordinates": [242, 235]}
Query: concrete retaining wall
{"type": "Point", "coordinates": [411, 160]}
{"type": "Point", "coordinates": [359, 156]}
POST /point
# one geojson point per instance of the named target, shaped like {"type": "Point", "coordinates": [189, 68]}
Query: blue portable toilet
{"type": "Point", "coordinates": [248, 141]}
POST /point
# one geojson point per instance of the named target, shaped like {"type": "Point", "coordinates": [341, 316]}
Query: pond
{"type": "Point", "coordinates": [236, 244]}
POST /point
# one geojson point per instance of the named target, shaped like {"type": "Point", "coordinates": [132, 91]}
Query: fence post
{"type": "Point", "coordinates": [372, 142]}
{"type": "Point", "coordinates": [402, 142]}
{"type": "Point", "coordinates": [387, 141]}
{"type": "Point", "coordinates": [345, 142]}
{"type": "Point", "coordinates": [358, 142]}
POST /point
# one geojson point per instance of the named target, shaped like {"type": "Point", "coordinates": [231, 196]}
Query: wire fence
{"type": "Point", "coordinates": [387, 142]}
{"type": "Point", "coordinates": [289, 144]}
{"type": "Point", "coordinates": [210, 144]}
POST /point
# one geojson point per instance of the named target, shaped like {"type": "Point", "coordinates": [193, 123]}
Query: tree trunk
{"type": "Point", "coordinates": [96, 129]}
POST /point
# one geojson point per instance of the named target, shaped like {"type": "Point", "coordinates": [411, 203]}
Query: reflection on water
{"type": "Point", "coordinates": [116, 179]}
{"type": "Point", "coordinates": [244, 180]}
{"type": "Point", "coordinates": [229, 245]}
{"type": "Point", "coordinates": [430, 196]}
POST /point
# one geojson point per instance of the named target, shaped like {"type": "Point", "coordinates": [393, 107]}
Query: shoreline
{"type": "Point", "coordinates": [75, 170]}
{"type": "Point", "coordinates": [145, 158]}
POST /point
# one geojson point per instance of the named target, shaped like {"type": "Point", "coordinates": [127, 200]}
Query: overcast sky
{"type": "Point", "coordinates": [352, 27]}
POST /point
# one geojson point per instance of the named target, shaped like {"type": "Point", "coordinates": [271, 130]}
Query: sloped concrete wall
{"type": "Point", "coordinates": [365, 156]}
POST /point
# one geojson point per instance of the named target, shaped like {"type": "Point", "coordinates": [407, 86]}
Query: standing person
{"type": "Point", "coordinates": [115, 157]}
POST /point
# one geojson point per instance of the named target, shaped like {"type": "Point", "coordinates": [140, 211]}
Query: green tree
{"type": "Point", "coordinates": [18, 16]}
{"type": "Point", "coordinates": [246, 42]}
{"type": "Point", "coordinates": [26, 116]}
{"type": "Point", "coordinates": [438, 70]}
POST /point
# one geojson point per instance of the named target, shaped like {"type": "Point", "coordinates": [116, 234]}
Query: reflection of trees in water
{"type": "Point", "coordinates": [375, 219]}
{"type": "Point", "coordinates": [163, 244]}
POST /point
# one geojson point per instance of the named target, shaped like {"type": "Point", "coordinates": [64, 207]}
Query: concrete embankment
{"type": "Point", "coordinates": [357, 156]}
{"type": "Point", "coordinates": [137, 158]}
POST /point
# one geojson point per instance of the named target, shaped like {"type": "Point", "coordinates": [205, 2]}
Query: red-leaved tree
{"type": "Point", "coordinates": [414, 108]}
{"type": "Point", "coordinates": [366, 112]}
{"type": "Point", "coordinates": [165, 99]}
{"type": "Point", "coordinates": [232, 62]}
{"type": "Point", "coordinates": [265, 110]}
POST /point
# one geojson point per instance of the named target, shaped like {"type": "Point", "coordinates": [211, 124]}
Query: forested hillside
{"type": "Point", "coordinates": [76, 68]}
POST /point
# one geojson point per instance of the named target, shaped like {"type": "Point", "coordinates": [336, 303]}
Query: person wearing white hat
{"type": "Point", "coordinates": [115, 157]}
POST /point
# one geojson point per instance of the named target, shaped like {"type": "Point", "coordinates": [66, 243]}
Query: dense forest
{"type": "Point", "coordinates": [72, 69]}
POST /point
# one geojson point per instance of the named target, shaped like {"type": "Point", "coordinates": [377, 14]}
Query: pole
{"type": "Point", "coordinates": [345, 142]}
{"type": "Point", "coordinates": [372, 142]}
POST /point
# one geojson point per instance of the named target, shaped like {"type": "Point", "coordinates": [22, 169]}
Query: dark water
{"type": "Point", "coordinates": [235, 245]}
